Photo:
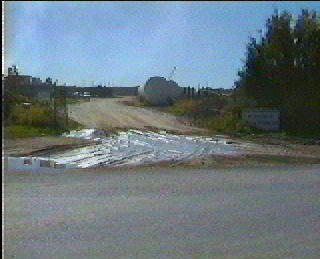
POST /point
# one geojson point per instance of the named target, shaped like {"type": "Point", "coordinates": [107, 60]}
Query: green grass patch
{"type": "Point", "coordinates": [187, 107]}
{"type": "Point", "coordinates": [36, 120]}
{"type": "Point", "coordinates": [34, 116]}
{"type": "Point", "coordinates": [276, 159]}
{"type": "Point", "coordinates": [25, 131]}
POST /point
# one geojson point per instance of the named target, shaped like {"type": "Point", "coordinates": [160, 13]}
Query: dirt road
{"type": "Point", "coordinates": [109, 113]}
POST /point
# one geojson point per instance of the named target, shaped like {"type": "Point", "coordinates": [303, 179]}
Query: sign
{"type": "Point", "coordinates": [268, 120]}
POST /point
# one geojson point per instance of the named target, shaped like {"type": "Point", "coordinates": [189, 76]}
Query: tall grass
{"type": "Point", "coordinates": [34, 116]}
{"type": "Point", "coordinates": [213, 114]}
{"type": "Point", "coordinates": [35, 120]}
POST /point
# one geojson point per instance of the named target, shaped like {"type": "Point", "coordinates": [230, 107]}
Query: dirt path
{"type": "Point", "coordinates": [109, 114]}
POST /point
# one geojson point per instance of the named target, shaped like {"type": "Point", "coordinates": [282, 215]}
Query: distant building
{"type": "Point", "coordinates": [25, 80]}
{"type": "Point", "coordinates": [13, 71]}
{"type": "Point", "coordinates": [124, 91]}
{"type": "Point", "coordinates": [49, 81]}
{"type": "Point", "coordinates": [14, 76]}
{"type": "Point", "coordinates": [36, 81]}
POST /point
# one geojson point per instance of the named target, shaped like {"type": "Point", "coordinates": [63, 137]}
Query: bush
{"type": "Point", "coordinates": [229, 121]}
{"type": "Point", "coordinates": [11, 100]}
{"type": "Point", "coordinates": [303, 122]}
{"type": "Point", "coordinates": [183, 107]}
{"type": "Point", "coordinates": [34, 116]}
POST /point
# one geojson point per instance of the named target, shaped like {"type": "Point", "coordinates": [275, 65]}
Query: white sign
{"type": "Point", "coordinates": [262, 119]}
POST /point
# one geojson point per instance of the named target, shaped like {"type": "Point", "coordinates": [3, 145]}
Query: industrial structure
{"type": "Point", "coordinates": [160, 91]}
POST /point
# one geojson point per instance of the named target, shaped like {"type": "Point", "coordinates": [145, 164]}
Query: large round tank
{"type": "Point", "coordinates": [159, 91]}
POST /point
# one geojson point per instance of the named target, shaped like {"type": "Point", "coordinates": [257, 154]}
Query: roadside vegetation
{"type": "Point", "coordinates": [216, 113]}
{"type": "Point", "coordinates": [224, 117]}
{"type": "Point", "coordinates": [281, 71]}
{"type": "Point", "coordinates": [27, 117]}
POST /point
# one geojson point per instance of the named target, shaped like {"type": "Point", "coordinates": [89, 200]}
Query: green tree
{"type": "Point", "coordinates": [282, 69]}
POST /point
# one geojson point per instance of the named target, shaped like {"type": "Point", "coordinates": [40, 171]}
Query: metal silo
{"type": "Point", "coordinates": [159, 91]}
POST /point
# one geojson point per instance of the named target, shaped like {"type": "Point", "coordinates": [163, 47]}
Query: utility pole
{"type": "Point", "coordinates": [172, 73]}
{"type": "Point", "coordinates": [260, 32]}
{"type": "Point", "coordinates": [55, 105]}
{"type": "Point", "coordinates": [234, 94]}
{"type": "Point", "coordinates": [65, 106]}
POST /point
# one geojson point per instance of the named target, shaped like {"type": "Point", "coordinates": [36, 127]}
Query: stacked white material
{"type": "Point", "coordinates": [128, 148]}
{"type": "Point", "coordinates": [92, 134]}
{"type": "Point", "coordinates": [136, 147]}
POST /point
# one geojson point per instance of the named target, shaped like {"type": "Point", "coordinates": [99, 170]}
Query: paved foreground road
{"type": "Point", "coordinates": [219, 213]}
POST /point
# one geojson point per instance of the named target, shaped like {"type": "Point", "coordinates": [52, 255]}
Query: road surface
{"type": "Point", "coordinates": [269, 212]}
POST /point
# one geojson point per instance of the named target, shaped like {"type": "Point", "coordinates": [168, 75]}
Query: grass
{"type": "Point", "coordinates": [36, 120]}
{"type": "Point", "coordinates": [25, 131]}
{"type": "Point", "coordinates": [187, 107]}
{"type": "Point", "coordinates": [219, 118]}
{"type": "Point", "coordinates": [276, 159]}
{"type": "Point", "coordinates": [212, 116]}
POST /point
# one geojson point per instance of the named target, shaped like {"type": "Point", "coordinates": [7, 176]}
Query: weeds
{"type": "Point", "coordinates": [25, 131]}
{"type": "Point", "coordinates": [34, 116]}
{"type": "Point", "coordinates": [36, 120]}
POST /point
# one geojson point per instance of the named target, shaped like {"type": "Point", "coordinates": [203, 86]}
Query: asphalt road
{"type": "Point", "coordinates": [165, 213]}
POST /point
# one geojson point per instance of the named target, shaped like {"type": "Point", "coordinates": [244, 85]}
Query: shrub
{"type": "Point", "coordinates": [35, 116]}
{"type": "Point", "coordinates": [186, 107]}
{"type": "Point", "coordinates": [11, 100]}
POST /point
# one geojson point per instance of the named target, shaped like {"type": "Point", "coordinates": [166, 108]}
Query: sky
{"type": "Point", "coordinates": [124, 43]}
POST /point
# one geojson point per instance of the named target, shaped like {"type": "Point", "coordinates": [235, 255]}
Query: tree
{"type": "Point", "coordinates": [282, 69]}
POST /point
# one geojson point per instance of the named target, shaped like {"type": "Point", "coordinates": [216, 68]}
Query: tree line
{"type": "Point", "coordinates": [282, 69]}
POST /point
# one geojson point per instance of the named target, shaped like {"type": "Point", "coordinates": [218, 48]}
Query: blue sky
{"type": "Point", "coordinates": [125, 43]}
